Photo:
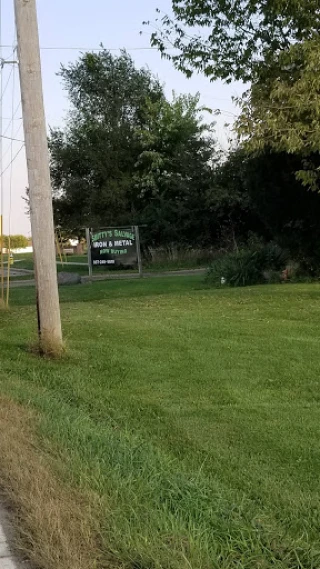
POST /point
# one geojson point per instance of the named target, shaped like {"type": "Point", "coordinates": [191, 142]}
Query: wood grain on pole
{"type": "Point", "coordinates": [41, 211]}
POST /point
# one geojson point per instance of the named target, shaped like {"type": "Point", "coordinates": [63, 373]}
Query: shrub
{"type": "Point", "coordinates": [248, 267]}
{"type": "Point", "coordinates": [273, 258]}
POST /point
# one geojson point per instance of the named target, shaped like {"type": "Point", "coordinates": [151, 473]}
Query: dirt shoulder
{"type": "Point", "coordinates": [53, 526]}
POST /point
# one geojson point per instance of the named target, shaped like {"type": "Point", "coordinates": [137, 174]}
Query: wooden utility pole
{"type": "Point", "coordinates": [41, 211]}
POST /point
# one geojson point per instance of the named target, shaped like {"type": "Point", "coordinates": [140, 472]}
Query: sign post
{"type": "Point", "coordinates": [137, 235]}
{"type": "Point", "coordinates": [88, 239]}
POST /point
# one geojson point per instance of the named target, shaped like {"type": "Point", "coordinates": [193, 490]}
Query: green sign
{"type": "Point", "coordinates": [110, 247]}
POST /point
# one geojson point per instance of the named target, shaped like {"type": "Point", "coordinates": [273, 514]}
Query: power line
{"type": "Point", "coordinates": [11, 123]}
{"type": "Point", "coordinates": [223, 112]}
{"type": "Point", "coordinates": [13, 159]}
{"type": "Point", "coordinates": [14, 136]}
{"type": "Point", "coordinates": [7, 84]}
{"type": "Point", "coordinates": [11, 138]}
{"type": "Point", "coordinates": [12, 118]}
{"type": "Point", "coordinates": [10, 56]}
{"type": "Point", "coordinates": [101, 48]}
{"type": "Point", "coordinates": [53, 48]}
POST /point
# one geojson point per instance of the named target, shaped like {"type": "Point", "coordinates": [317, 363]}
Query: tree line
{"type": "Point", "coordinates": [14, 241]}
{"type": "Point", "coordinates": [129, 155]}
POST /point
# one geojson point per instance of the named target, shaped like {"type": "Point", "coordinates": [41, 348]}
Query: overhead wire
{"type": "Point", "coordinates": [15, 138]}
{"type": "Point", "coordinates": [12, 160]}
{"type": "Point", "coordinates": [11, 138]}
{"type": "Point", "coordinates": [4, 90]}
{"type": "Point", "coordinates": [14, 134]}
{"type": "Point", "coordinates": [14, 111]}
{"type": "Point", "coordinates": [101, 48]}
{"type": "Point", "coordinates": [11, 55]}
{"type": "Point", "coordinates": [12, 119]}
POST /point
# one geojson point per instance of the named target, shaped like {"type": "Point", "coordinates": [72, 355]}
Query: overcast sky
{"type": "Point", "coordinates": [83, 24]}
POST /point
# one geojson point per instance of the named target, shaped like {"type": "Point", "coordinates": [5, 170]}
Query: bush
{"type": "Point", "coordinates": [273, 258]}
{"type": "Point", "coordinates": [235, 269]}
{"type": "Point", "coordinates": [248, 267]}
{"type": "Point", "coordinates": [16, 241]}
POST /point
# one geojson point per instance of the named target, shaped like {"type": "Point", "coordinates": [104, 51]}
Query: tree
{"type": "Point", "coordinates": [285, 115]}
{"type": "Point", "coordinates": [15, 241]}
{"type": "Point", "coordinates": [130, 156]}
{"type": "Point", "coordinates": [231, 205]}
{"type": "Point", "coordinates": [236, 39]}
{"type": "Point", "coordinates": [174, 173]}
{"type": "Point", "coordinates": [272, 44]}
{"type": "Point", "coordinates": [288, 213]}
{"type": "Point", "coordinates": [93, 158]}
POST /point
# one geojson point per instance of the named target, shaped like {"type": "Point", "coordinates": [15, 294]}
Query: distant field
{"type": "Point", "coordinates": [183, 424]}
{"type": "Point", "coordinates": [69, 264]}
{"type": "Point", "coordinates": [25, 261]}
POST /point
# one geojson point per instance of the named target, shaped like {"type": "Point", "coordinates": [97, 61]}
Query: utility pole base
{"type": "Point", "coordinates": [50, 346]}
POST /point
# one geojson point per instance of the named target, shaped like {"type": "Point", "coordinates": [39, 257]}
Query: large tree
{"type": "Point", "coordinates": [128, 155]}
{"type": "Point", "coordinates": [289, 214]}
{"type": "Point", "coordinates": [231, 205]}
{"type": "Point", "coordinates": [283, 113]}
{"type": "Point", "coordinates": [93, 157]}
{"type": "Point", "coordinates": [174, 173]}
{"type": "Point", "coordinates": [234, 39]}
{"type": "Point", "coordinates": [274, 45]}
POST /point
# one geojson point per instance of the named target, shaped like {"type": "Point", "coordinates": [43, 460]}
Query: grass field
{"type": "Point", "coordinates": [182, 427]}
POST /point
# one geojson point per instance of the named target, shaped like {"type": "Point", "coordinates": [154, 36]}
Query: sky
{"type": "Point", "coordinates": [65, 24]}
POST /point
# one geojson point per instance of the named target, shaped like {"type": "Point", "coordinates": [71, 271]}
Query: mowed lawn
{"type": "Point", "coordinates": [189, 418]}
